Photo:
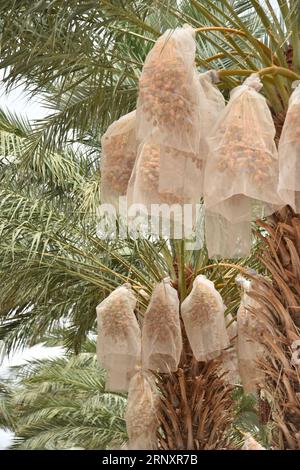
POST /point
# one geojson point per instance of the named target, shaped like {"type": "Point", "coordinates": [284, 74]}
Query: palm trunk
{"type": "Point", "coordinates": [196, 407]}
{"type": "Point", "coordinates": [280, 301]}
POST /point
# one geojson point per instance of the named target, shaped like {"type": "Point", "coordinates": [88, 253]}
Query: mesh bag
{"type": "Point", "coordinates": [141, 413]}
{"type": "Point", "coordinates": [230, 365]}
{"type": "Point", "coordinates": [144, 183]}
{"type": "Point", "coordinates": [289, 153]}
{"type": "Point", "coordinates": [119, 148]}
{"type": "Point", "coordinates": [210, 108]}
{"type": "Point", "coordinates": [182, 173]}
{"type": "Point", "coordinates": [161, 333]}
{"type": "Point", "coordinates": [225, 239]}
{"type": "Point", "coordinates": [168, 101]}
{"type": "Point", "coordinates": [203, 316]}
{"type": "Point", "coordinates": [241, 173]}
{"type": "Point", "coordinates": [175, 181]}
{"type": "Point", "coordinates": [168, 124]}
{"type": "Point", "coordinates": [251, 444]}
{"type": "Point", "coordinates": [249, 343]}
{"type": "Point", "coordinates": [119, 338]}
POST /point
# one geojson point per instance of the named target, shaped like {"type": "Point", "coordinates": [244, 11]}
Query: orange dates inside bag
{"type": "Point", "coordinates": [203, 316]}
{"type": "Point", "coordinates": [168, 102]}
{"type": "Point", "coordinates": [119, 147]}
{"type": "Point", "coordinates": [289, 153]}
{"type": "Point", "coordinates": [241, 174]}
{"type": "Point", "coordinates": [141, 412]}
{"type": "Point", "coordinates": [161, 333]}
{"type": "Point", "coordinates": [119, 337]}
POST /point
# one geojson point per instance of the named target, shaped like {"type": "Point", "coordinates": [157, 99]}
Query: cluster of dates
{"type": "Point", "coordinates": [289, 153]}
{"type": "Point", "coordinates": [164, 133]}
{"type": "Point", "coordinates": [133, 355]}
{"type": "Point", "coordinates": [182, 145]}
{"type": "Point", "coordinates": [239, 158]}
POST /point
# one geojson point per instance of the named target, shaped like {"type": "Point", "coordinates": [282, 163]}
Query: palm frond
{"type": "Point", "coordinates": [61, 403]}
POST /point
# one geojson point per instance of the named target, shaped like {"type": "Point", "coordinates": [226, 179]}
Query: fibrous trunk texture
{"type": "Point", "coordinates": [280, 311]}
{"type": "Point", "coordinates": [196, 407]}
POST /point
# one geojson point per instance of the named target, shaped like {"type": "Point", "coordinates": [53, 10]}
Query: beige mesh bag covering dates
{"type": "Point", "coordinates": [229, 357]}
{"type": "Point", "coordinates": [249, 343]}
{"type": "Point", "coordinates": [203, 316]}
{"type": "Point", "coordinates": [168, 101]}
{"type": "Point", "coordinates": [211, 108]}
{"type": "Point", "coordinates": [161, 333]}
{"type": "Point", "coordinates": [119, 338]}
{"type": "Point", "coordinates": [168, 169]}
{"type": "Point", "coordinates": [241, 174]}
{"type": "Point", "coordinates": [119, 148]}
{"type": "Point", "coordinates": [171, 182]}
{"type": "Point", "coordinates": [289, 153]}
{"type": "Point", "coordinates": [141, 412]}
{"type": "Point", "coordinates": [182, 173]}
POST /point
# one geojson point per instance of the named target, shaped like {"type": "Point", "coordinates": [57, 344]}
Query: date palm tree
{"type": "Point", "coordinates": [54, 267]}
{"type": "Point", "coordinates": [61, 403]}
{"type": "Point", "coordinates": [84, 60]}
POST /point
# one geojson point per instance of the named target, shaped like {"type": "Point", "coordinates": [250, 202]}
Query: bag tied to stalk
{"type": "Point", "coordinates": [241, 174]}
{"type": "Point", "coordinates": [168, 100]}
{"type": "Point", "coordinates": [250, 345]}
{"type": "Point", "coordinates": [289, 153]}
{"type": "Point", "coordinates": [211, 108]}
{"type": "Point", "coordinates": [203, 316]}
{"type": "Point", "coordinates": [119, 338]}
{"type": "Point", "coordinates": [169, 169]}
{"type": "Point", "coordinates": [119, 148]}
{"type": "Point", "coordinates": [141, 412]}
{"type": "Point", "coordinates": [161, 332]}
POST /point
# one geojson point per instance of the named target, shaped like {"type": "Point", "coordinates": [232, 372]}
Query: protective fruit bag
{"type": "Point", "coordinates": [168, 168]}
{"type": "Point", "coordinates": [141, 412]}
{"type": "Point", "coordinates": [225, 239]}
{"type": "Point", "coordinates": [119, 147]}
{"type": "Point", "coordinates": [250, 346]}
{"type": "Point", "coordinates": [241, 173]}
{"type": "Point", "coordinates": [229, 366]}
{"type": "Point", "coordinates": [180, 170]}
{"type": "Point", "coordinates": [181, 174]}
{"type": "Point", "coordinates": [203, 316]}
{"type": "Point", "coordinates": [161, 332]}
{"type": "Point", "coordinates": [289, 153]}
{"type": "Point", "coordinates": [119, 338]}
{"type": "Point", "coordinates": [168, 101]}
{"type": "Point", "coordinates": [211, 108]}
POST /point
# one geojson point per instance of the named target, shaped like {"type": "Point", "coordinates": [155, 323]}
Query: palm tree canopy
{"type": "Point", "coordinates": [61, 403]}
{"type": "Point", "coordinates": [83, 59]}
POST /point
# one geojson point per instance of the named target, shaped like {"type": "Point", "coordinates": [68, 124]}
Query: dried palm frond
{"type": "Point", "coordinates": [280, 312]}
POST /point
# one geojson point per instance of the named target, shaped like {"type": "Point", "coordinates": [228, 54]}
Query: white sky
{"type": "Point", "coordinates": [17, 101]}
